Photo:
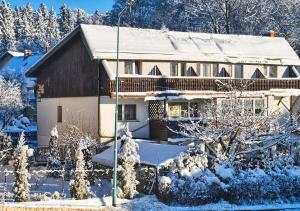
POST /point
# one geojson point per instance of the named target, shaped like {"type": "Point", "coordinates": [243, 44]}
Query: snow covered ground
{"type": "Point", "coordinates": [148, 203]}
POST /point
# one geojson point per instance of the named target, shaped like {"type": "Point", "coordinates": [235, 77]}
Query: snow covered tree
{"type": "Point", "coordinates": [6, 148]}
{"type": "Point", "coordinates": [8, 38]}
{"type": "Point", "coordinates": [41, 23]}
{"type": "Point", "coordinates": [97, 18]}
{"type": "Point", "coordinates": [81, 17]}
{"type": "Point", "coordinates": [231, 131]}
{"type": "Point", "coordinates": [66, 20]}
{"type": "Point", "coordinates": [68, 166]}
{"type": "Point", "coordinates": [26, 39]}
{"type": "Point", "coordinates": [21, 186]}
{"type": "Point", "coordinates": [80, 186]}
{"type": "Point", "coordinates": [54, 163]}
{"type": "Point", "coordinates": [10, 101]}
{"type": "Point", "coordinates": [53, 33]}
{"type": "Point", "coordinates": [128, 159]}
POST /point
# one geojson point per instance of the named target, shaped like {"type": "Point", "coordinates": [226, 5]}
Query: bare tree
{"type": "Point", "coordinates": [233, 129]}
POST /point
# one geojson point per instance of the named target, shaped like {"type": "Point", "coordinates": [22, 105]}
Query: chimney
{"type": "Point", "coordinates": [48, 48]}
{"type": "Point", "coordinates": [269, 34]}
{"type": "Point", "coordinates": [28, 53]}
{"type": "Point", "coordinates": [272, 34]}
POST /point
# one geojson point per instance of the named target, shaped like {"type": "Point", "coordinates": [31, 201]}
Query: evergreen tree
{"type": "Point", "coordinates": [69, 166]}
{"type": "Point", "coordinates": [97, 18]}
{"type": "Point", "coordinates": [8, 39]}
{"type": "Point", "coordinates": [21, 186]}
{"type": "Point", "coordinates": [41, 23]}
{"type": "Point", "coordinates": [26, 29]}
{"type": "Point", "coordinates": [81, 17]}
{"type": "Point", "coordinates": [18, 23]}
{"type": "Point", "coordinates": [54, 163]}
{"type": "Point", "coordinates": [66, 20]}
{"type": "Point", "coordinates": [79, 188]}
{"type": "Point", "coordinates": [53, 33]}
{"type": "Point", "coordinates": [128, 158]}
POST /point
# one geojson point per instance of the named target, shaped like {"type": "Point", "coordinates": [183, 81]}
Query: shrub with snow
{"type": "Point", "coordinates": [80, 186]}
{"type": "Point", "coordinates": [6, 150]}
{"type": "Point", "coordinates": [68, 166]}
{"type": "Point", "coordinates": [128, 159]}
{"type": "Point", "coordinates": [189, 181]}
{"type": "Point", "coordinates": [21, 186]}
{"type": "Point", "coordinates": [54, 163]}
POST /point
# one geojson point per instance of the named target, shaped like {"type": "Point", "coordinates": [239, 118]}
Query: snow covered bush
{"type": "Point", "coordinates": [80, 186]}
{"type": "Point", "coordinates": [54, 163]}
{"type": "Point", "coordinates": [21, 186]}
{"type": "Point", "coordinates": [68, 166]}
{"type": "Point", "coordinates": [10, 101]}
{"type": "Point", "coordinates": [6, 148]}
{"type": "Point", "coordinates": [189, 181]}
{"type": "Point", "coordinates": [19, 123]}
{"type": "Point", "coordinates": [128, 159]}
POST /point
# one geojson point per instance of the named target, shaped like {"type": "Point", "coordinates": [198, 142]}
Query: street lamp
{"type": "Point", "coordinates": [114, 188]}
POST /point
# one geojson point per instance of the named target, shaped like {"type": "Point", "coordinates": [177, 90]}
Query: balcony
{"type": "Point", "coordinates": [150, 84]}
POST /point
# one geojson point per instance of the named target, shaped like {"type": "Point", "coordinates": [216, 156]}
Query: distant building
{"type": "Point", "coordinates": [15, 65]}
{"type": "Point", "coordinates": [162, 73]}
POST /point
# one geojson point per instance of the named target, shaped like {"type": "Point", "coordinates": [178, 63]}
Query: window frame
{"type": "Point", "coordinates": [59, 114]}
{"type": "Point", "coordinates": [174, 66]}
{"type": "Point", "coordinates": [241, 71]}
{"type": "Point", "coordinates": [123, 116]}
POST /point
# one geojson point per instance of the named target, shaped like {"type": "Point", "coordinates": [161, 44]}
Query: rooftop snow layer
{"type": "Point", "coordinates": [150, 153]}
{"type": "Point", "coordinates": [149, 44]}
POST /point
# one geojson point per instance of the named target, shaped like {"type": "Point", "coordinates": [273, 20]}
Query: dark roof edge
{"type": "Point", "coordinates": [32, 71]}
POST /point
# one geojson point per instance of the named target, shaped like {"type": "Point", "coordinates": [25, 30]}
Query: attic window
{"type": "Point", "coordinates": [155, 71]}
{"type": "Point", "coordinates": [191, 72]}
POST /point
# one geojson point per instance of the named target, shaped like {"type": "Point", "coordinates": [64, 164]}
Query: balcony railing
{"type": "Point", "coordinates": [144, 84]}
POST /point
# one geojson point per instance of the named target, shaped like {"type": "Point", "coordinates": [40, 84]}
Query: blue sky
{"type": "Point", "coordinates": [88, 5]}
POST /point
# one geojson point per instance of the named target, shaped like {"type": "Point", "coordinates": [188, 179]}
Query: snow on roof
{"type": "Point", "coordinates": [149, 44]}
{"type": "Point", "coordinates": [153, 154]}
{"type": "Point", "coordinates": [15, 53]}
{"type": "Point", "coordinates": [21, 64]}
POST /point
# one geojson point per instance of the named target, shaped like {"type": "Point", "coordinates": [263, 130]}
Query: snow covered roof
{"type": "Point", "coordinates": [21, 64]}
{"type": "Point", "coordinates": [153, 154]}
{"type": "Point", "coordinates": [150, 44]}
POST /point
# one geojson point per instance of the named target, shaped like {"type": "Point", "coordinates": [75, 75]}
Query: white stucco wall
{"type": "Point", "coordinates": [81, 111]}
{"type": "Point", "coordinates": [107, 112]}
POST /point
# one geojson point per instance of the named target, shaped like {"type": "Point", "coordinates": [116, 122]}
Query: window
{"type": "Point", "coordinates": [199, 69]}
{"type": "Point", "coordinates": [206, 70]}
{"type": "Point", "coordinates": [128, 67]}
{"type": "Point", "coordinates": [127, 112]}
{"type": "Point", "coordinates": [259, 107]}
{"type": "Point", "coordinates": [183, 69]}
{"type": "Point", "coordinates": [120, 112]}
{"type": "Point", "coordinates": [238, 71]}
{"type": "Point", "coordinates": [248, 106]}
{"type": "Point", "coordinates": [59, 114]}
{"type": "Point", "coordinates": [191, 72]}
{"type": "Point", "coordinates": [272, 71]}
{"type": "Point", "coordinates": [155, 71]}
{"type": "Point", "coordinates": [174, 69]}
{"type": "Point", "coordinates": [178, 109]}
{"type": "Point", "coordinates": [210, 70]}
{"type": "Point", "coordinates": [130, 112]}
{"type": "Point", "coordinates": [266, 70]}
{"type": "Point", "coordinates": [138, 67]}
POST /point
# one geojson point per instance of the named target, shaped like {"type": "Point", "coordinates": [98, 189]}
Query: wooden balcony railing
{"type": "Point", "coordinates": [144, 84]}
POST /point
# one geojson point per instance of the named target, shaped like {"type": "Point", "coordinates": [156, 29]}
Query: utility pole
{"type": "Point", "coordinates": [115, 167]}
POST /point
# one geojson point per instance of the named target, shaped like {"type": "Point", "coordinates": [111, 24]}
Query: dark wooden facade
{"type": "Point", "coordinates": [69, 72]}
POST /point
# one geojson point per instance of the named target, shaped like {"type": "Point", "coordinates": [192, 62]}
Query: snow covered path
{"type": "Point", "coordinates": [146, 203]}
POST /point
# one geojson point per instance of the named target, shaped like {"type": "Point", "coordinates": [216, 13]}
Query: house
{"type": "Point", "coordinates": [162, 73]}
{"type": "Point", "coordinates": [14, 65]}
